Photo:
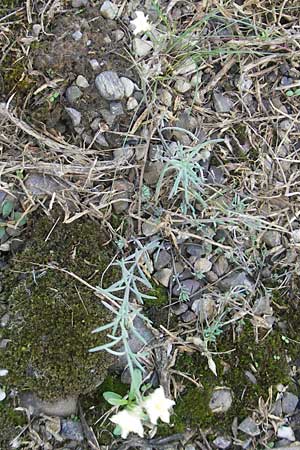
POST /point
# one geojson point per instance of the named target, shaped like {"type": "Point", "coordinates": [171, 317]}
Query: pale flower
{"type": "Point", "coordinates": [141, 24]}
{"type": "Point", "coordinates": [157, 406]}
{"type": "Point", "coordinates": [129, 421]}
{"type": "Point", "coordinates": [2, 395]}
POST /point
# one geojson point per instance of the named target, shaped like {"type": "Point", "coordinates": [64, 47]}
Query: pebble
{"type": "Point", "coordinates": [108, 117]}
{"type": "Point", "coordinates": [82, 82]}
{"type": "Point", "coordinates": [72, 430]}
{"type": "Point", "coordinates": [149, 229]}
{"type": "Point", "coordinates": [132, 104]}
{"type": "Point", "coordinates": [40, 184]}
{"type": "Point", "coordinates": [166, 98]}
{"type": "Point", "coordinates": [202, 265]}
{"type": "Point", "coordinates": [94, 64]}
{"type": "Point", "coordinates": [141, 47]}
{"type": "Point", "coordinates": [77, 35]}
{"type": "Point", "coordinates": [74, 115]}
{"type": "Point", "coordinates": [180, 308]}
{"type": "Point", "coordinates": [182, 86]}
{"type": "Point", "coordinates": [289, 403]}
{"type": "Point", "coordinates": [286, 125]}
{"type": "Point", "coordinates": [189, 447]}
{"type": "Point", "coordinates": [249, 426]}
{"type": "Point", "coordinates": [100, 139]}
{"type": "Point", "coordinates": [61, 407]}
{"type": "Point", "coordinates": [118, 35]}
{"type": "Point", "coordinates": [123, 190]}
{"type": "Point", "coordinates": [79, 3]}
{"type": "Point", "coordinates": [188, 286]}
{"type": "Point", "coordinates": [186, 67]}
{"type": "Point", "coordinates": [116, 109]}
{"type": "Point", "coordinates": [4, 320]}
{"type": "Point", "coordinates": [204, 308]}
{"type": "Point", "coordinates": [128, 86]}
{"type": "Point", "coordinates": [73, 93]}
{"type": "Point", "coordinates": [123, 154]}
{"type": "Point", "coordinates": [163, 276]}
{"type": "Point", "coordinates": [222, 103]}
{"type": "Point", "coordinates": [221, 266]}
{"type": "Point", "coordinates": [250, 377]}
{"type": "Point", "coordinates": [215, 175]}
{"type": "Point", "coordinates": [271, 238]}
{"type": "Point", "coordinates": [109, 85]}
{"type": "Point", "coordinates": [285, 432]}
{"type": "Point", "coordinates": [236, 279]}
{"type": "Point", "coordinates": [161, 259]}
{"type": "Point", "coordinates": [95, 124]}
{"type": "Point", "coordinates": [222, 442]}
{"type": "Point", "coordinates": [262, 306]}
{"type": "Point", "coordinates": [221, 400]}
{"type": "Point", "coordinates": [152, 172]}
{"type": "Point", "coordinates": [188, 316]}
{"type": "Point", "coordinates": [36, 29]}
{"type": "Point", "coordinates": [195, 250]}
{"type": "Point", "coordinates": [109, 10]}
{"type": "Point", "coordinates": [244, 83]}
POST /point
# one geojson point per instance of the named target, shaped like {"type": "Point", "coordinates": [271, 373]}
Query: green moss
{"type": "Point", "coordinates": [10, 421]}
{"type": "Point", "coordinates": [53, 314]}
{"type": "Point", "coordinates": [267, 360]}
{"type": "Point", "coordinates": [161, 297]}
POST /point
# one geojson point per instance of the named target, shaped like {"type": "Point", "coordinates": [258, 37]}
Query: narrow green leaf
{"type": "Point", "coordinates": [7, 208]}
{"type": "Point", "coordinates": [2, 232]}
{"type": "Point", "coordinates": [114, 399]}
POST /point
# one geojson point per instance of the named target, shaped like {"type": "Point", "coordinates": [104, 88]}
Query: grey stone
{"type": "Point", "coordinates": [285, 432]}
{"type": "Point", "coordinates": [222, 442]}
{"type": "Point", "coordinates": [286, 125]}
{"type": "Point", "coordinates": [250, 377]}
{"type": "Point", "coordinates": [123, 154]}
{"type": "Point", "coordinates": [94, 64]}
{"type": "Point", "coordinates": [186, 67]}
{"type": "Point", "coordinates": [204, 307]}
{"type": "Point", "coordinates": [77, 35]}
{"type": "Point", "coordinates": [4, 320]}
{"type": "Point", "coordinates": [118, 35]}
{"type": "Point", "coordinates": [271, 238]}
{"type": "Point", "coordinates": [39, 184]}
{"type": "Point", "coordinates": [61, 407]}
{"type": "Point", "coordinates": [109, 85]}
{"type": "Point", "coordinates": [188, 286]}
{"type": "Point", "coordinates": [95, 124]}
{"type": "Point", "coordinates": [141, 47]}
{"type": "Point", "coordinates": [182, 85]}
{"type": "Point", "coordinates": [249, 426]}
{"type": "Point", "coordinates": [71, 430]}
{"type": "Point", "coordinates": [222, 103]}
{"type": "Point", "coordinates": [116, 109]}
{"type": "Point", "coordinates": [295, 234]}
{"type": "Point", "coordinates": [121, 199]}
{"type": "Point", "coordinates": [73, 93]}
{"type": "Point", "coordinates": [152, 172]}
{"type": "Point", "coordinates": [195, 250]}
{"type": "Point", "coordinates": [161, 259]}
{"type": "Point", "coordinates": [215, 175]}
{"type": "Point", "coordinates": [74, 115]}
{"type": "Point", "coordinates": [36, 29]}
{"type": "Point", "coordinates": [276, 409]}
{"type": "Point", "coordinates": [289, 403]}
{"type": "Point", "coordinates": [236, 279]}
{"type": "Point", "coordinates": [82, 82]}
{"type": "Point", "coordinates": [100, 139]}
{"type": "Point", "coordinates": [3, 195]}
{"type": "Point", "coordinates": [128, 86]}
{"type": "Point", "coordinates": [202, 265]}
{"type": "Point", "coordinates": [163, 276]}
{"type": "Point", "coordinates": [166, 98]}
{"type": "Point", "coordinates": [79, 3]}
{"type": "Point", "coordinates": [221, 400]}
{"type": "Point", "coordinates": [189, 447]}
{"type": "Point", "coordinates": [180, 308]}
{"type": "Point", "coordinates": [108, 117]}
{"type": "Point", "coordinates": [132, 104]}
{"type": "Point", "coordinates": [188, 316]}
{"type": "Point", "coordinates": [149, 229]}
{"type": "Point", "coordinates": [211, 276]}
{"type": "Point", "coordinates": [262, 306]}
{"type": "Point", "coordinates": [221, 266]}
{"type": "Point", "coordinates": [109, 10]}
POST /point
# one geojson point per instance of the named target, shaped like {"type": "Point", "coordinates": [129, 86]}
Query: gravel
{"type": "Point", "coordinates": [74, 115]}
{"type": "Point", "coordinates": [249, 426]}
{"type": "Point", "coordinates": [109, 85]}
{"type": "Point", "coordinates": [73, 93]}
{"type": "Point", "coordinates": [109, 10]}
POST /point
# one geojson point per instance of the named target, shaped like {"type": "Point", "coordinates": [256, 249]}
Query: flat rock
{"type": "Point", "coordinates": [186, 67]}
{"type": "Point", "coordinates": [109, 85]}
{"type": "Point", "coordinates": [71, 430]}
{"type": "Point", "coordinates": [74, 115]}
{"type": "Point", "coordinates": [236, 279]}
{"type": "Point", "coordinates": [222, 442]}
{"type": "Point", "coordinates": [289, 403]}
{"type": "Point", "coordinates": [221, 266]}
{"type": "Point", "coordinates": [163, 276]}
{"type": "Point", "coordinates": [79, 3]}
{"type": "Point", "coordinates": [222, 103]}
{"type": "Point", "coordinates": [188, 316]}
{"type": "Point", "coordinates": [152, 172]}
{"type": "Point", "coordinates": [285, 432]}
{"type": "Point", "coordinates": [73, 93]}
{"type": "Point", "coordinates": [109, 10]}
{"type": "Point", "coordinates": [182, 85]}
{"type": "Point", "coordinates": [61, 407]}
{"type": "Point", "coordinates": [149, 229]}
{"type": "Point", "coordinates": [221, 400]}
{"type": "Point", "coordinates": [250, 427]}
{"type": "Point", "coordinates": [180, 308]}
{"type": "Point", "coordinates": [204, 307]}
{"type": "Point", "coordinates": [123, 193]}
{"type": "Point", "coordinates": [39, 184]}
{"type": "Point", "coordinates": [271, 238]}
{"type": "Point", "coordinates": [141, 47]}
{"type": "Point", "coordinates": [128, 86]}
{"type": "Point", "coordinates": [82, 82]}
{"type": "Point", "coordinates": [202, 265]}
{"type": "Point", "coordinates": [161, 259]}
{"type": "Point", "coordinates": [189, 286]}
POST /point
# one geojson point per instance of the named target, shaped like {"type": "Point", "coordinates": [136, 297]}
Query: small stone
{"type": "Point", "coordinates": [190, 287]}
{"type": "Point", "coordinates": [4, 320]}
{"type": "Point", "coordinates": [72, 430]}
{"type": "Point", "coordinates": [236, 279]}
{"type": "Point", "coordinates": [152, 172]}
{"type": "Point", "coordinates": [40, 184]}
{"type": "Point", "coordinates": [286, 125]}
{"type": "Point", "coordinates": [108, 117]}
{"type": "Point", "coordinates": [166, 98]}
{"type": "Point", "coordinates": [271, 238]}
{"type": "Point", "coordinates": [77, 35]}
{"type": "Point", "coordinates": [100, 139]}
{"type": "Point", "coordinates": [3, 343]}
{"type": "Point", "coordinates": [211, 276]}
{"type": "Point", "coordinates": [123, 154]}
{"type": "Point", "coordinates": [73, 93]}
{"type": "Point", "coordinates": [36, 29]}
{"type": "Point", "coordinates": [74, 115]}
{"type": "Point", "coordinates": [79, 3]}
{"type": "Point", "coordinates": [116, 109]}
{"type": "Point", "coordinates": [188, 316]}
{"type": "Point", "coordinates": [289, 403]}
{"type": "Point", "coordinates": [222, 103]}
{"type": "Point", "coordinates": [109, 85]}
{"type": "Point", "coordinates": [276, 409]}
{"type": "Point", "coordinates": [221, 266]}
{"type": "Point", "coordinates": [180, 308]}
{"type": "Point", "coordinates": [284, 432]}
{"type": "Point", "coordinates": [205, 308]}
{"type": "Point", "coordinates": [249, 426]}
{"type": "Point", "coordinates": [132, 104]}
{"type": "Point", "coordinates": [215, 175]}
{"type": "Point", "coordinates": [109, 10]}
{"type": "Point", "coordinates": [94, 65]}
{"type": "Point", "coordinates": [61, 407]}
{"type": "Point", "coordinates": [163, 276]}
{"type": "Point", "coordinates": [182, 86]}
{"type": "Point", "coordinates": [244, 83]}
{"type": "Point", "coordinates": [128, 86]}
{"type": "Point", "coordinates": [262, 306]}
{"type": "Point", "coordinates": [296, 236]}
{"type": "Point", "coordinates": [195, 250]}
{"type": "Point", "coordinates": [118, 35]}
{"type": "Point", "coordinates": [95, 124]}
{"type": "Point", "coordinates": [202, 265]}
{"type": "Point", "coordinates": [82, 82]}
{"type": "Point", "coordinates": [161, 259]}
{"type": "Point", "coordinates": [141, 47]}
{"type": "Point", "coordinates": [149, 229]}
{"type": "Point", "coordinates": [186, 67]}
{"type": "Point", "coordinates": [221, 400]}
{"type": "Point", "coordinates": [123, 193]}
{"type": "Point", "coordinates": [250, 377]}
{"type": "Point", "coordinates": [222, 442]}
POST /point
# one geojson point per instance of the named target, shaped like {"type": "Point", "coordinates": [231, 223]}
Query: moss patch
{"type": "Point", "coordinates": [53, 314]}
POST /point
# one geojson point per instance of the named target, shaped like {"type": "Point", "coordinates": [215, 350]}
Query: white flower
{"type": "Point", "coordinates": [157, 406]}
{"type": "Point", "coordinates": [141, 24]}
{"type": "Point", "coordinates": [3, 372]}
{"type": "Point", "coordinates": [2, 395]}
{"type": "Point", "coordinates": [129, 421]}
